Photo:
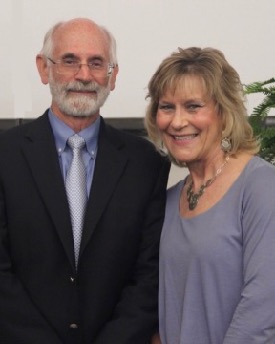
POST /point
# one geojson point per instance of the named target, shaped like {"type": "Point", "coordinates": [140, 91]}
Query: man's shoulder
{"type": "Point", "coordinates": [18, 132]}
{"type": "Point", "coordinates": [130, 141]}
{"type": "Point", "coordinates": [125, 135]}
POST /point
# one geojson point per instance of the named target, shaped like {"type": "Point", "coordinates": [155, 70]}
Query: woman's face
{"type": "Point", "coordinates": [189, 123]}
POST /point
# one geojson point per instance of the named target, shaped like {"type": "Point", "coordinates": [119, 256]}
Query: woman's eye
{"type": "Point", "coordinates": [193, 107]}
{"type": "Point", "coordinates": [165, 107]}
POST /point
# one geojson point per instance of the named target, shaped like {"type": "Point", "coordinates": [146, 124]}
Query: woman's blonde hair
{"type": "Point", "coordinates": [222, 84]}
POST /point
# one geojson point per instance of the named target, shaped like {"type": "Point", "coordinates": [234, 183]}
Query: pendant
{"type": "Point", "coordinates": [193, 198]}
{"type": "Point", "coordinates": [193, 201]}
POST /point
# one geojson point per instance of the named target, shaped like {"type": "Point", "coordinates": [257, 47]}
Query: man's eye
{"type": "Point", "coordinates": [96, 64]}
{"type": "Point", "coordinates": [70, 62]}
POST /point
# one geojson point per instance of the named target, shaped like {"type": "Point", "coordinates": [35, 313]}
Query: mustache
{"type": "Point", "coordinates": [92, 86]}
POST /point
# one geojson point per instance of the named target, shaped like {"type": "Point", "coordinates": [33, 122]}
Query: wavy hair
{"type": "Point", "coordinates": [221, 83]}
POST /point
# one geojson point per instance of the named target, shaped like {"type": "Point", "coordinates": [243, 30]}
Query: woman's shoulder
{"type": "Point", "coordinates": [176, 187]}
{"type": "Point", "coordinates": [259, 166]}
{"type": "Point", "coordinates": [258, 179]}
{"type": "Point", "coordinates": [174, 191]}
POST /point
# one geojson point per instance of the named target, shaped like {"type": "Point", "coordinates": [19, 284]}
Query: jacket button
{"type": "Point", "coordinates": [72, 279]}
{"type": "Point", "coordinates": [73, 326]}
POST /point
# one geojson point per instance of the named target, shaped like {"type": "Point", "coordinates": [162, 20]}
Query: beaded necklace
{"type": "Point", "coordinates": [192, 197]}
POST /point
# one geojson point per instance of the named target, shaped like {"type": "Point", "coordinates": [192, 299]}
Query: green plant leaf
{"type": "Point", "coordinates": [256, 119]}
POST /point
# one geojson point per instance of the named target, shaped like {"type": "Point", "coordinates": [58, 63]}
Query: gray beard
{"type": "Point", "coordinates": [81, 105]}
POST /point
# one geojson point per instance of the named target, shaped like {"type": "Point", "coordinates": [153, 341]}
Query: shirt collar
{"type": "Point", "coordinates": [62, 132]}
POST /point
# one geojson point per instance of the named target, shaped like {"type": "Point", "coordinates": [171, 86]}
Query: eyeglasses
{"type": "Point", "coordinates": [72, 67]}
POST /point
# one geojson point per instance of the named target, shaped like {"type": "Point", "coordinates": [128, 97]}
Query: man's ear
{"type": "Point", "coordinates": [43, 68]}
{"type": "Point", "coordinates": [113, 77]}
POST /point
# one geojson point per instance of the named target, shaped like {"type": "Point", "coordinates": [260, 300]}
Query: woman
{"type": "Point", "coordinates": [217, 253]}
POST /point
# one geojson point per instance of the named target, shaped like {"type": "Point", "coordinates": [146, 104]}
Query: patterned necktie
{"type": "Point", "coordinates": [76, 190]}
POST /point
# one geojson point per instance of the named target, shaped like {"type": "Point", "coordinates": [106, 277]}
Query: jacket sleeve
{"type": "Point", "coordinates": [135, 318]}
{"type": "Point", "coordinates": [20, 321]}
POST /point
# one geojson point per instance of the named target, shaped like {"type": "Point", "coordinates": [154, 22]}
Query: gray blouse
{"type": "Point", "coordinates": [217, 269]}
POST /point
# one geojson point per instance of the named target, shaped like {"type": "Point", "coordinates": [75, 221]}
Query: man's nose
{"type": "Point", "coordinates": [84, 73]}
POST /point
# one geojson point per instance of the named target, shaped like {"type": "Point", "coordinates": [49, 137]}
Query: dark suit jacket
{"type": "Point", "coordinates": [112, 298]}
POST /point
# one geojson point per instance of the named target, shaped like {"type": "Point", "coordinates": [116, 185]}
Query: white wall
{"type": "Point", "coordinates": [146, 31]}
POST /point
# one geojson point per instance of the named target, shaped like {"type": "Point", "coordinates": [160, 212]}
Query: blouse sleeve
{"type": "Point", "coordinates": [254, 318]}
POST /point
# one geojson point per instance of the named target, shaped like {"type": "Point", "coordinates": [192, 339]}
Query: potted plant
{"type": "Point", "coordinates": [259, 114]}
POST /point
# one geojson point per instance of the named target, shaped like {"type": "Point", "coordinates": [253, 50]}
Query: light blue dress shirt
{"type": "Point", "coordinates": [61, 134]}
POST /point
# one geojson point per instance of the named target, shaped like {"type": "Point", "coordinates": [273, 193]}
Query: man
{"type": "Point", "coordinates": [51, 290]}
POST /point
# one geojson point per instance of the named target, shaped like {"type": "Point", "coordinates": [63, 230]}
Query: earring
{"type": "Point", "coordinates": [226, 145]}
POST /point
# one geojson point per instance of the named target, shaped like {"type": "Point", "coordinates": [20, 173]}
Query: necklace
{"type": "Point", "coordinates": [192, 197]}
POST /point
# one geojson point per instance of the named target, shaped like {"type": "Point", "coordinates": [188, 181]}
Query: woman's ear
{"type": "Point", "coordinates": [43, 68]}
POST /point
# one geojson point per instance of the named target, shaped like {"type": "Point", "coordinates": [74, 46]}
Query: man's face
{"type": "Point", "coordinates": [76, 98]}
{"type": "Point", "coordinates": [79, 91]}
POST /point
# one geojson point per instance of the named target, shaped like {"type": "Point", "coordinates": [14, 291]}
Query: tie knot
{"type": "Point", "coordinates": [76, 141]}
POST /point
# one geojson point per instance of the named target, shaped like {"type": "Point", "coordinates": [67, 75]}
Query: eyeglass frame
{"type": "Point", "coordinates": [111, 66]}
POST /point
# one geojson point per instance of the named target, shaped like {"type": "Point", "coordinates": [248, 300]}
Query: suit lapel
{"type": "Point", "coordinates": [40, 152]}
{"type": "Point", "coordinates": [110, 163]}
